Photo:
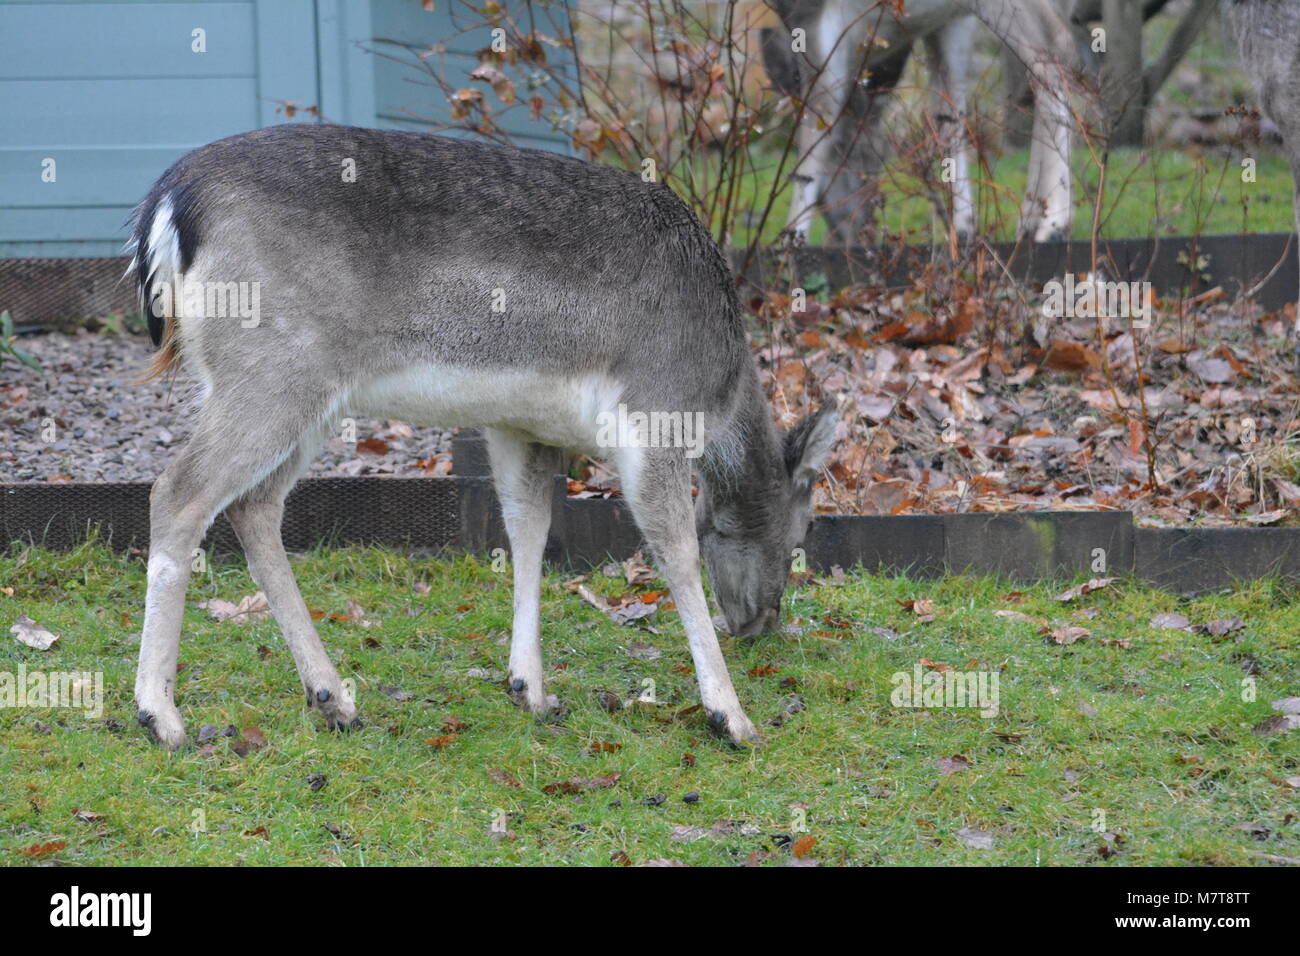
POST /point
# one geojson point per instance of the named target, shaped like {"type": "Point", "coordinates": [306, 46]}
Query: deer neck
{"type": "Point", "coordinates": [743, 470]}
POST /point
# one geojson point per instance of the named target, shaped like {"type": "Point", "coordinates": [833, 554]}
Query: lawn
{"type": "Point", "coordinates": [1132, 745]}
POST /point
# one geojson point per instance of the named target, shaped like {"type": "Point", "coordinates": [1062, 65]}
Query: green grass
{"type": "Point", "coordinates": [1148, 193]}
{"type": "Point", "coordinates": [1169, 755]}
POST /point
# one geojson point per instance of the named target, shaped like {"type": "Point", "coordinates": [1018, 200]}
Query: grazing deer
{"type": "Point", "coordinates": [837, 142]}
{"type": "Point", "coordinates": [1268, 36]}
{"type": "Point", "coordinates": [452, 283]}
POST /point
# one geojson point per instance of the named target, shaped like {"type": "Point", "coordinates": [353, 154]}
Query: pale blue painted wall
{"type": "Point", "coordinates": [113, 93]}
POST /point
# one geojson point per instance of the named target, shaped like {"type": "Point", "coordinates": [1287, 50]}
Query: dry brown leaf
{"type": "Point", "coordinates": [1095, 584]}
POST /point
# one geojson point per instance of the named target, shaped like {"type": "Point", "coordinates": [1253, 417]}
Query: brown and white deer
{"type": "Point", "coordinates": [445, 282]}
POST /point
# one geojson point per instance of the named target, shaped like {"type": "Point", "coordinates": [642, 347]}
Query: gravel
{"type": "Point", "coordinates": [86, 418]}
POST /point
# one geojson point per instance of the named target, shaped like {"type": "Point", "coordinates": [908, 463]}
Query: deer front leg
{"type": "Point", "coordinates": [523, 472]}
{"type": "Point", "coordinates": [658, 487]}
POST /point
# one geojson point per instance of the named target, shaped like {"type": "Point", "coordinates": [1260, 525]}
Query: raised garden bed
{"type": "Point", "coordinates": [461, 513]}
{"type": "Point", "coordinates": [98, 483]}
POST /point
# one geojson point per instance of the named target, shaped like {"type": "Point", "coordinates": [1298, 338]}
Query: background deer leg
{"type": "Point", "coordinates": [949, 52]}
{"type": "Point", "coordinates": [1038, 36]}
{"type": "Point", "coordinates": [827, 73]}
{"type": "Point", "coordinates": [1267, 41]}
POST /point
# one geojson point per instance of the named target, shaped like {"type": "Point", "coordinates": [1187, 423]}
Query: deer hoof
{"type": "Point", "coordinates": [738, 730]}
{"type": "Point", "coordinates": [339, 712]}
{"type": "Point", "coordinates": [537, 701]}
{"type": "Point", "coordinates": [164, 726]}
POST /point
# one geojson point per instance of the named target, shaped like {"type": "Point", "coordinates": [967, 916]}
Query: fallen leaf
{"type": "Point", "coordinates": [1068, 635]}
{"type": "Point", "coordinates": [631, 613]}
{"type": "Point", "coordinates": [578, 784]}
{"type": "Point", "coordinates": [643, 652]}
{"type": "Point", "coordinates": [1087, 587]}
{"type": "Point", "coordinates": [923, 608]}
{"type": "Point", "coordinates": [504, 778]}
{"type": "Point", "coordinates": [1268, 517]}
{"type": "Point", "coordinates": [1171, 621]}
{"type": "Point", "coordinates": [1070, 356]}
{"type": "Point", "coordinates": [976, 839]}
{"type": "Point", "coordinates": [950, 765]}
{"type": "Point", "coordinates": [252, 607]}
{"type": "Point", "coordinates": [1257, 830]}
{"type": "Point", "coordinates": [32, 634]}
{"type": "Point", "coordinates": [41, 850]}
{"type": "Point", "coordinates": [1213, 371]}
{"type": "Point", "coordinates": [803, 846]}
{"type": "Point", "coordinates": [1223, 626]}
{"type": "Point", "coordinates": [636, 571]}
{"type": "Point", "coordinates": [357, 614]}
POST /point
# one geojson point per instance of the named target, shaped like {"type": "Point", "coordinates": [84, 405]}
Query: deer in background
{"type": "Point", "coordinates": [1268, 37]}
{"type": "Point", "coordinates": [455, 283]}
{"type": "Point", "coordinates": [838, 139]}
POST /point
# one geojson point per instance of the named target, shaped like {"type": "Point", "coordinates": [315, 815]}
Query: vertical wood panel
{"type": "Point", "coordinates": [286, 59]}
{"type": "Point", "coordinates": [347, 69]}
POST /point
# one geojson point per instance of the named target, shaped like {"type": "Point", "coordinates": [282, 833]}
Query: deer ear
{"type": "Point", "coordinates": [808, 445]}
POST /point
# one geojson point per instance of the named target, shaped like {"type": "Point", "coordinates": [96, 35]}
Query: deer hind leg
{"type": "Point", "coordinates": [657, 484]}
{"type": "Point", "coordinates": [1036, 34]}
{"type": "Point", "coordinates": [852, 197]}
{"type": "Point", "coordinates": [523, 472]}
{"type": "Point", "coordinates": [949, 51]}
{"type": "Point", "coordinates": [256, 517]}
{"type": "Point", "coordinates": [1047, 211]}
{"type": "Point", "coordinates": [828, 70]}
{"type": "Point", "coordinates": [231, 451]}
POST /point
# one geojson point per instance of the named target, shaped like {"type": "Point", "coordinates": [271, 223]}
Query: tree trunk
{"type": "Point", "coordinates": [1123, 92]}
